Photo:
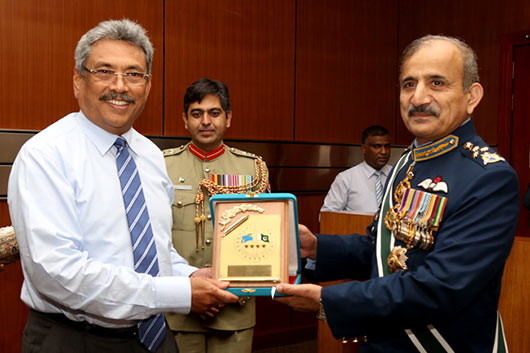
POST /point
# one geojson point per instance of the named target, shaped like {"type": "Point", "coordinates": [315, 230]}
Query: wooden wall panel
{"type": "Point", "coordinates": [514, 305]}
{"type": "Point", "coordinates": [12, 310]}
{"type": "Point", "coordinates": [309, 205]}
{"type": "Point", "coordinates": [4, 214]}
{"type": "Point", "coordinates": [345, 68]}
{"type": "Point", "coordinates": [37, 42]}
{"type": "Point", "coordinates": [247, 44]}
{"type": "Point", "coordinates": [481, 24]}
{"type": "Point", "coordinates": [278, 325]}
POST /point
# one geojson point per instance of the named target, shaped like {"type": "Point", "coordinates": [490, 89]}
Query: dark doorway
{"type": "Point", "coordinates": [520, 137]}
{"type": "Point", "coordinates": [513, 134]}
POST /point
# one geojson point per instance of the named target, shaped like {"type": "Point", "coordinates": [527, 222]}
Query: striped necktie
{"type": "Point", "coordinates": [151, 331]}
{"type": "Point", "coordinates": [378, 187]}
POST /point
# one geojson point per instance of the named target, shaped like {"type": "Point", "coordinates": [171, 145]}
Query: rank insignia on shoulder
{"type": "Point", "coordinates": [173, 151]}
{"type": "Point", "coordinates": [244, 153]}
{"type": "Point", "coordinates": [168, 152]}
{"type": "Point", "coordinates": [434, 185]}
{"type": "Point", "coordinates": [487, 156]}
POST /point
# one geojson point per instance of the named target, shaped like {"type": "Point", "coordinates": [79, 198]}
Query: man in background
{"type": "Point", "coordinates": [360, 188]}
{"type": "Point", "coordinates": [90, 201]}
{"type": "Point", "coordinates": [204, 167]}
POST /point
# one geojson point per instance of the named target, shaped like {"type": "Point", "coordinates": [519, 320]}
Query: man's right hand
{"type": "Point", "coordinates": [208, 296]}
{"type": "Point", "coordinates": [308, 242]}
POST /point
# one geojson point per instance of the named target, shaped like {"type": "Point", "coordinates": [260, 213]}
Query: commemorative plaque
{"type": "Point", "coordinates": [255, 241]}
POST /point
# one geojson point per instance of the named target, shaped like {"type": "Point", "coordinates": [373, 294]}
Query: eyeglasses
{"type": "Point", "coordinates": [106, 75]}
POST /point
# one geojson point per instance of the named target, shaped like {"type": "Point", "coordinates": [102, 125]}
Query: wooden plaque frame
{"type": "Point", "coordinates": [254, 241]}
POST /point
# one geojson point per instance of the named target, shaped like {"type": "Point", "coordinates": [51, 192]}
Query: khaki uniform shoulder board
{"type": "Point", "coordinates": [174, 151]}
{"type": "Point", "coordinates": [242, 153]}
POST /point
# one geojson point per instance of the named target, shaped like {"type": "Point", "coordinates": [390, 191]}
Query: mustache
{"type": "Point", "coordinates": [424, 108]}
{"type": "Point", "coordinates": [113, 95]}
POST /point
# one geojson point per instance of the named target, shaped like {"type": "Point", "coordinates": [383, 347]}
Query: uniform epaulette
{"type": "Point", "coordinates": [243, 153]}
{"type": "Point", "coordinates": [482, 154]}
{"type": "Point", "coordinates": [174, 151]}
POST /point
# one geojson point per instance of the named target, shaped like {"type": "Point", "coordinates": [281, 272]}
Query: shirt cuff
{"type": "Point", "coordinates": [183, 270]}
{"type": "Point", "coordinates": [173, 294]}
{"type": "Point", "coordinates": [311, 264]}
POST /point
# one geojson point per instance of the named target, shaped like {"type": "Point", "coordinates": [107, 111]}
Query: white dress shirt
{"type": "Point", "coordinates": [67, 209]}
{"type": "Point", "coordinates": [354, 189]}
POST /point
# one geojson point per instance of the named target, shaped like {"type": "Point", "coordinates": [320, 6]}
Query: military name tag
{"type": "Point", "coordinates": [182, 187]}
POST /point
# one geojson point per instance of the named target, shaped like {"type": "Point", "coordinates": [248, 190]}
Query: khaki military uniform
{"type": "Point", "coordinates": [187, 167]}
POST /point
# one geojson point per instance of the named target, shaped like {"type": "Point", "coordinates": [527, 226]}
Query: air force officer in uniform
{"type": "Point", "coordinates": [435, 251]}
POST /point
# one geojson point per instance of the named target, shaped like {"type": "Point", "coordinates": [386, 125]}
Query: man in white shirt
{"type": "Point", "coordinates": [84, 277]}
{"type": "Point", "coordinates": [356, 189]}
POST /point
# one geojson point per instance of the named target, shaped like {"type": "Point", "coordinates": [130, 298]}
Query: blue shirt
{"type": "Point", "coordinates": [354, 189]}
{"type": "Point", "coordinates": [67, 209]}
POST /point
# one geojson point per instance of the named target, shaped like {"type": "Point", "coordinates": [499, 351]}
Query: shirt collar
{"type": "Point", "coordinates": [206, 156]}
{"type": "Point", "coordinates": [371, 170]}
{"type": "Point", "coordinates": [102, 139]}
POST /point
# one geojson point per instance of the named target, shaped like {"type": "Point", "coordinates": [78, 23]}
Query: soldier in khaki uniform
{"type": "Point", "coordinates": [199, 169]}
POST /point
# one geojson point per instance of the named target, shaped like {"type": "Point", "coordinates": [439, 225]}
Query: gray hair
{"type": "Point", "coordinates": [469, 57]}
{"type": "Point", "coordinates": [125, 30]}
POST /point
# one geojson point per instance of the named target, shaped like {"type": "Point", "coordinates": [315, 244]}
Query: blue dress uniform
{"type": "Point", "coordinates": [437, 286]}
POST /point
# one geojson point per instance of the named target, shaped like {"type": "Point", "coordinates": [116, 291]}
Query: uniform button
{"type": "Point", "coordinates": [207, 265]}
{"type": "Point", "coordinates": [179, 204]}
{"type": "Point", "coordinates": [207, 170]}
{"type": "Point", "coordinates": [208, 241]}
{"type": "Point", "coordinates": [209, 217]}
{"type": "Point", "coordinates": [373, 228]}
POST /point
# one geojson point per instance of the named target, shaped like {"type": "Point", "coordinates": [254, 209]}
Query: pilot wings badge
{"type": "Point", "coordinates": [434, 185]}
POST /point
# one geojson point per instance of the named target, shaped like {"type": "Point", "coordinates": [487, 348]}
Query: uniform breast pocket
{"type": "Point", "coordinates": [183, 209]}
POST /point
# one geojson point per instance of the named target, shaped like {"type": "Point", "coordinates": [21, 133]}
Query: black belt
{"type": "Point", "coordinates": [83, 326]}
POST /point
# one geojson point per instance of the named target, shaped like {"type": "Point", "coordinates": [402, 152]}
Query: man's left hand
{"type": "Point", "coordinates": [203, 272]}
